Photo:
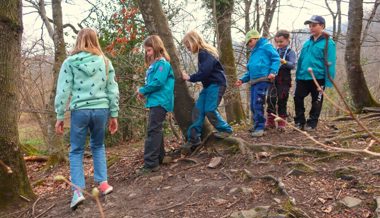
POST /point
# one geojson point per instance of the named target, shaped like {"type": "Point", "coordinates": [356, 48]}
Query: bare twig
{"type": "Point", "coordinates": [62, 178]}
{"type": "Point", "coordinates": [180, 203]}
{"type": "Point", "coordinates": [34, 205]}
{"type": "Point", "coordinates": [365, 151]}
{"type": "Point", "coordinates": [6, 167]}
{"type": "Point", "coordinates": [348, 109]}
{"type": "Point", "coordinates": [25, 198]}
{"type": "Point", "coordinates": [45, 211]}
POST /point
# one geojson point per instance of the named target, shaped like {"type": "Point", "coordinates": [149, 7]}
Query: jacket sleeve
{"type": "Point", "coordinates": [290, 60]}
{"type": "Point", "coordinates": [331, 59]}
{"type": "Point", "coordinates": [64, 86]}
{"type": "Point", "coordinates": [245, 78]}
{"type": "Point", "coordinates": [160, 75]}
{"type": "Point", "coordinates": [274, 59]}
{"type": "Point", "coordinates": [112, 91]}
{"type": "Point", "coordinates": [205, 66]}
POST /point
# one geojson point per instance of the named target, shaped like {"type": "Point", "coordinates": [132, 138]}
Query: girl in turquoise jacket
{"type": "Point", "coordinates": [159, 94]}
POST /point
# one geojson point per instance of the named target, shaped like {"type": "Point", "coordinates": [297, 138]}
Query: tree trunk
{"type": "Point", "coordinates": [232, 99]}
{"type": "Point", "coordinates": [157, 23]}
{"type": "Point", "coordinates": [13, 177]}
{"type": "Point", "coordinates": [361, 96]}
{"type": "Point", "coordinates": [270, 8]}
{"type": "Point", "coordinates": [55, 144]}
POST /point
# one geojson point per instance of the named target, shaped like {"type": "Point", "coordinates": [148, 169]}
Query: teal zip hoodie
{"type": "Point", "coordinates": [83, 77]}
{"type": "Point", "coordinates": [312, 55]}
{"type": "Point", "coordinates": [159, 85]}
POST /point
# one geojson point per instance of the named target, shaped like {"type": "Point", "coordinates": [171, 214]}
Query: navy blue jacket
{"type": "Point", "coordinates": [210, 70]}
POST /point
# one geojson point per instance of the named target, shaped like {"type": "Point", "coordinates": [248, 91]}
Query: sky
{"type": "Point", "coordinates": [292, 15]}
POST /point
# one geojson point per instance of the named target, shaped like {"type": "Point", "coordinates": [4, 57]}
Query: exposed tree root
{"type": "Point", "coordinates": [349, 137]}
{"type": "Point", "coordinates": [277, 181]}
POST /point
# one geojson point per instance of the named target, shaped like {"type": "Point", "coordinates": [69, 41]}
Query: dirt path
{"type": "Point", "coordinates": [286, 183]}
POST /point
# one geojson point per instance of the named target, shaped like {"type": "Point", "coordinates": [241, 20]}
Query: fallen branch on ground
{"type": "Point", "coordinates": [363, 151]}
{"type": "Point", "coordinates": [348, 109]}
{"type": "Point", "coordinates": [36, 158]}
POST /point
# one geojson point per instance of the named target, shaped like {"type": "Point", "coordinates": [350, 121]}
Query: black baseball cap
{"type": "Point", "coordinates": [316, 19]}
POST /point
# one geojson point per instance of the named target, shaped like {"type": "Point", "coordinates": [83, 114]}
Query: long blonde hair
{"type": "Point", "coordinates": [87, 40]}
{"type": "Point", "coordinates": [196, 42]}
{"type": "Point", "coordinates": [155, 42]}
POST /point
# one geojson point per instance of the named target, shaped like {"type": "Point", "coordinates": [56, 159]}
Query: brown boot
{"type": "Point", "coordinates": [282, 123]}
{"type": "Point", "coordinates": [270, 124]}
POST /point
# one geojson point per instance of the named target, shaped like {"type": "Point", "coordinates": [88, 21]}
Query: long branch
{"type": "Point", "coordinates": [365, 151]}
{"type": "Point", "coordinates": [348, 109]}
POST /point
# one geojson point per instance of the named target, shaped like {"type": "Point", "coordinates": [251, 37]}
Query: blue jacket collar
{"type": "Point", "coordinates": [262, 41]}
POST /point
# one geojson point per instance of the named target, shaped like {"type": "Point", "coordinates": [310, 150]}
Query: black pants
{"type": "Point", "coordinates": [278, 95]}
{"type": "Point", "coordinates": [303, 89]}
{"type": "Point", "coordinates": [154, 151]}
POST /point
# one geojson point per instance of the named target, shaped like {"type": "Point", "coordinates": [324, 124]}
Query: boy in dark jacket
{"type": "Point", "coordinates": [279, 91]}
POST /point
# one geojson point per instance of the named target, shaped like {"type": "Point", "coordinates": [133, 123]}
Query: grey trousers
{"type": "Point", "coordinates": [154, 151]}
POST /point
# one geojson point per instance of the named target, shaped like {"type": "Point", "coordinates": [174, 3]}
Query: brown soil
{"type": "Point", "coordinates": [188, 188]}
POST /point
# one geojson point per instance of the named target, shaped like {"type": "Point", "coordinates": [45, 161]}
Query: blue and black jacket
{"type": "Point", "coordinates": [210, 70]}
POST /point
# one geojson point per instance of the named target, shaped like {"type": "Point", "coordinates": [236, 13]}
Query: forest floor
{"type": "Point", "coordinates": [279, 175]}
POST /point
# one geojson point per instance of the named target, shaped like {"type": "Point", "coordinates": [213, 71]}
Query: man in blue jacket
{"type": "Point", "coordinates": [319, 54]}
{"type": "Point", "coordinates": [262, 68]}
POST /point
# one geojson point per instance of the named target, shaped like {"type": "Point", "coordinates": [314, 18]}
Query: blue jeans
{"type": "Point", "coordinates": [82, 122]}
{"type": "Point", "coordinates": [207, 105]}
{"type": "Point", "coordinates": [258, 96]}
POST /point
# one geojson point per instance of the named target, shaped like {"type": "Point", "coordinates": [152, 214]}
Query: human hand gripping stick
{"type": "Point", "coordinates": [185, 76]}
{"type": "Point", "coordinates": [238, 83]}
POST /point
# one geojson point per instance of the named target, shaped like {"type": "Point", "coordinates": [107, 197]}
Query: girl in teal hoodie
{"type": "Point", "coordinates": [89, 78]}
{"type": "Point", "coordinates": [159, 94]}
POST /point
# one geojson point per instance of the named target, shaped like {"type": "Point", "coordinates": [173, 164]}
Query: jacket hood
{"type": "Point", "coordinates": [87, 62]}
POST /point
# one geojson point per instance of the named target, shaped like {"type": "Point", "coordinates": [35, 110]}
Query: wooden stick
{"type": "Point", "coordinates": [366, 151]}
{"type": "Point", "coordinates": [6, 167]}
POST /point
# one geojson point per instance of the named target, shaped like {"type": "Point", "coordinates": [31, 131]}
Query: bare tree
{"type": "Point", "coordinates": [222, 11]}
{"type": "Point", "coordinates": [270, 8]}
{"type": "Point", "coordinates": [13, 177]}
{"type": "Point", "coordinates": [337, 19]}
{"type": "Point", "coordinates": [361, 96]}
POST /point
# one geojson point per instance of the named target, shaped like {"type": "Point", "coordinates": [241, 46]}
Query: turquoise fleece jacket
{"type": "Point", "coordinates": [263, 60]}
{"type": "Point", "coordinates": [159, 85]}
{"type": "Point", "coordinates": [83, 77]}
{"type": "Point", "coordinates": [312, 55]}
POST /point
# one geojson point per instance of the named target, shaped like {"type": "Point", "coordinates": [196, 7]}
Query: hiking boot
{"type": "Point", "coordinates": [105, 188]}
{"type": "Point", "coordinates": [146, 170]}
{"type": "Point", "coordinates": [222, 135]}
{"type": "Point", "coordinates": [77, 199]}
{"type": "Point", "coordinates": [269, 123]}
{"type": "Point", "coordinates": [189, 147]}
{"type": "Point", "coordinates": [257, 133]}
{"type": "Point", "coordinates": [251, 130]}
{"type": "Point", "coordinates": [310, 128]}
{"type": "Point", "coordinates": [300, 126]}
{"type": "Point", "coordinates": [281, 124]}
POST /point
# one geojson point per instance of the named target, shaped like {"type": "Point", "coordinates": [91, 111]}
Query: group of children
{"type": "Point", "coordinates": [88, 77]}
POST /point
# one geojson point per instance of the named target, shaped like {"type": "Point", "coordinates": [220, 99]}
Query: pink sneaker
{"type": "Point", "coordinates": [105, 188]}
